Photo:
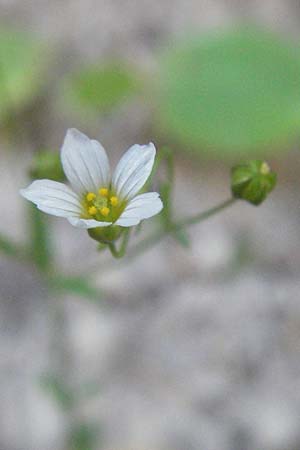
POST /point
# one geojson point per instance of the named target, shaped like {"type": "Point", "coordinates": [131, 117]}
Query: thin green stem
{"type": "Point", "coordinates": [167, 187]}
{"type": "Point", "coordinates": [122, 250]}
{"type": "Point", "coordinates": [157, 236]}
{"type": "Point", "coordinates": [204, 215]}
{"type": "Point", "coordinates": [40, 236]}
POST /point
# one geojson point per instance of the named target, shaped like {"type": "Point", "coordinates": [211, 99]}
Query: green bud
{"type": "Point", "coordinates": [106, 235]}
{"type": "Point", "coordinates": [252, 181]}
{"type": "Point", "coordinates": [47, 164]}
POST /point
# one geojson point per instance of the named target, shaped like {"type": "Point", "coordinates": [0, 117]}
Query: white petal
{"type": "Point", "coordinates": [141, 207]}
{"type": "Point", "coordinates": [133, 170]}
{"type": "Point", "coordinates": [85, 162]}
{"type": "Point", "coordinates": [53, 198]}
{"type": "Point", "coordinates": [87, 223]}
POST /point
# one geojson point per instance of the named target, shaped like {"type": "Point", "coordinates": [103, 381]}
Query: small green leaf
{"type": "Point", "coordinates": [231, 93]}
{"type": "Point", "coordinates": [84, 437]}
{"type": "Point", "coordinates": [74, 285]}
{"type": "Point", "coordinates": [99, 88]}
{"type": "Point", "coordinates": [23, 64]}
{"type": "Point", "coordinates": [47, 164]}
{"type": "Point", "coordinates": [58, 390]}
{"type": "Point", "coordinates": [9, 248]}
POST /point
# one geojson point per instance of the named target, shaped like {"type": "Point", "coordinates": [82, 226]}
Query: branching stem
{"type": "Point", "coordinates": [157, 236]}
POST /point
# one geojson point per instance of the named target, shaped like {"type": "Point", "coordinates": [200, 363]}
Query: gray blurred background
{"type": "Point", "coordinates": [180, 349]}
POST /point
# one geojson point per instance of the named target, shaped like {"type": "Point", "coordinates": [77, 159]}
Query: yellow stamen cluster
{"type": "Point", "coordinates": [102, 205]}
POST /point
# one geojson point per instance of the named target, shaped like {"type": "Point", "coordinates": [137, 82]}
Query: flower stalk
{"type": "Point", "coordinates": [157, 236]}
{"type": "Point", "coordinates": [122, 250]}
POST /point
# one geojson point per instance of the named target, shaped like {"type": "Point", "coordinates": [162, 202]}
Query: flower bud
{"type": "Point", "coordinates": [252, 181]}
{"type": "Point", "coordinates": [47, 165]}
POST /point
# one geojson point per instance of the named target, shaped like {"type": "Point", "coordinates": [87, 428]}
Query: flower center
{"type": "Point", "coordinates": [103, 206]}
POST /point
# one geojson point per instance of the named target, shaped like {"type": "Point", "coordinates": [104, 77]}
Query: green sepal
{"type": "Point", "coordinates": [252, 181]}
{"type": "Point", "coordinates": [106, 235]}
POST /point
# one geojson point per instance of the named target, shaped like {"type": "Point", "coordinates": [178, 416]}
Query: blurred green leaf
{"type": "Point", "coordinates": [74, 285]}
{"type": "Point", "coordinates": [99, 88]}
{"type": "Point", "coordinates": [231, 93]}
{"type": "Point", "coordinates": [84, 437]}
{"type": "Point", "coordinates": [47, 164]}
{"type": "Point", "coordinates": [9, 248]}
{"type": "Point", "coordinates": [58, 390]}
{"type": "Point", "coordinates": [23, 63]}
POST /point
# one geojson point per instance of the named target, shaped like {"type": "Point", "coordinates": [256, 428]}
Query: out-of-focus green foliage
{"type": "Point", "coordinates": [79, 286]}
{"type": "Point", "coordinates": [252, 181]}
{"type": "Point", "coordinates": [9, 248]}
{"type": "Point", "coordinates": [84, 437]}
{"type": "Point", "coordinates": [98, 89]}
{"type": "Point", "coordinates": [231, 93]}
{"type": "Point", "coordinates": [23, 64]}
{"type": "Point", "coordinates": [47, 164]}
{"type": "Point", "coordinates": [59, 391]}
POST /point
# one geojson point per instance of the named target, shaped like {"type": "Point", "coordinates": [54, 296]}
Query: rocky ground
{"type": "Point", "coordinates": [187, 349]}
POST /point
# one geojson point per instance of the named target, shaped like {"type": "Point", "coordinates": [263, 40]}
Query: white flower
{"type": "Point", "coordinates": [95, 198]}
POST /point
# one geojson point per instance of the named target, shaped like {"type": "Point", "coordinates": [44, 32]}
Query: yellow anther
{"type": "Point", "coordinates": [90, 196]}
{"type": "Point", "coordinates": [92, 210]}
{"type": "Point", "coordinates": [105, 211]}
{"type": "Point", "coordinates": [103, 192]}
{"type": "Point", "coordinates": [114, 201]}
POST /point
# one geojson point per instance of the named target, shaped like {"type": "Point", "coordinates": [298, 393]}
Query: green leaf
{"type": "Point", "coordinates": [74, 285]}
{"type": "Point", "coordinates": [9, 248]}
{"type": "Point", "coordinates": [58, 390]}
{"type": "Point", "coordinates": [99, 88]}
{"type": "Point", "coordinates": [231, 93]}
{"type": "Point", "coordinates": [84, 437]}
{"type": "Point", "coordinates": [47, 164]}
{"type": "Point", "coordinates": [23, 64]}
